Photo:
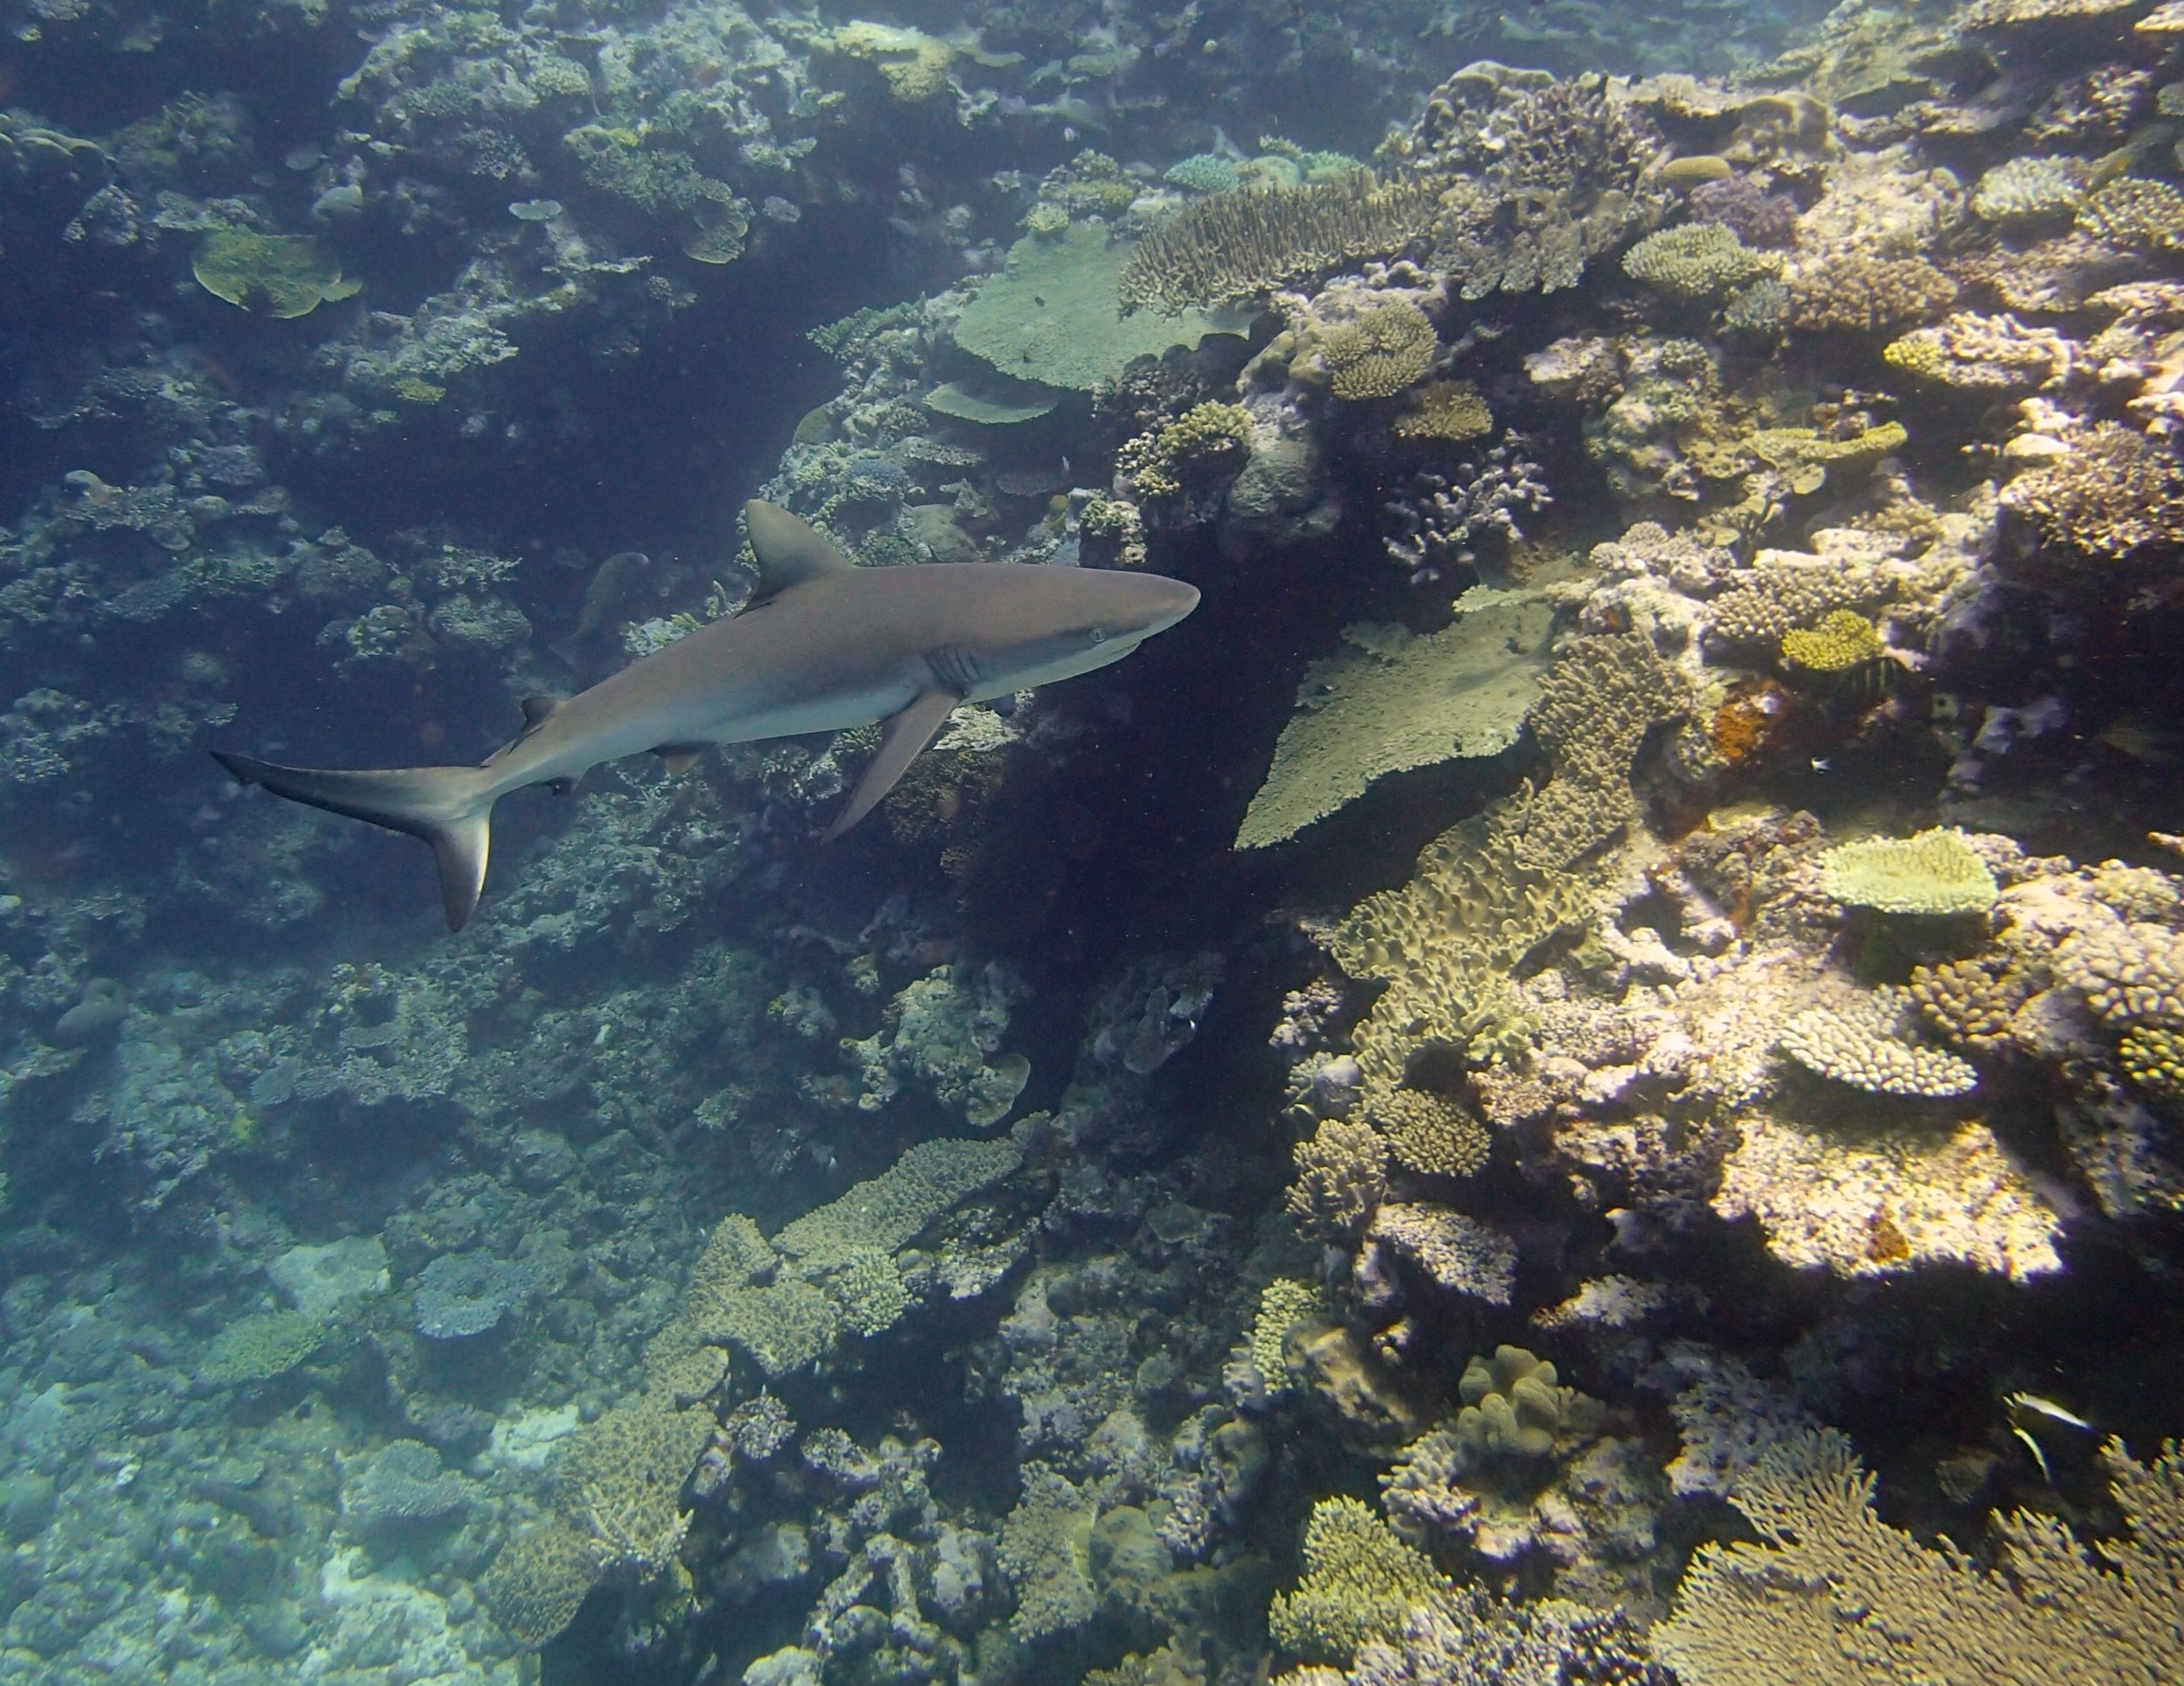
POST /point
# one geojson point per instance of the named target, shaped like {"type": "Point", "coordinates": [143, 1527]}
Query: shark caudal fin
{"type": "Point", "coordinates": [449, 807]}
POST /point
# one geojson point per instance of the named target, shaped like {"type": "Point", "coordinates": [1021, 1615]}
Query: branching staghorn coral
{"type": "Point", "coordinates": [1832, 1596]}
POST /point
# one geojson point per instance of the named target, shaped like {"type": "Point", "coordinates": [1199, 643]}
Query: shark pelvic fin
{"type": "Point", "coordinates": [679, 758]}
{"type": "Point", "coordinates": [789, 549]}
{"type": "Point", "coordinates": [901, 739]}
{"type": "Point", "coordinates": [449, 807]}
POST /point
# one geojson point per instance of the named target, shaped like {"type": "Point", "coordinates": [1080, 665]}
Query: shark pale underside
{"type": "Point", "coordinates": [822, 645]}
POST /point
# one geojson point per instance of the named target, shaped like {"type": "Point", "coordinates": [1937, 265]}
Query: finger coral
{"type": "Point", "coordinates": [1859, 1045]}
{"type": "Point", "coordinates": [1341, 1174]}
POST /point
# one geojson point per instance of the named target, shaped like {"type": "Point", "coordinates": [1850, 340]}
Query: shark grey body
{"type": "Point", "coordinates": [823, 646]}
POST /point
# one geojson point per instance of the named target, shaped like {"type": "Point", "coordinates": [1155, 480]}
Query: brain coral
{"type": "Point", "coordinates": [1936, 872]}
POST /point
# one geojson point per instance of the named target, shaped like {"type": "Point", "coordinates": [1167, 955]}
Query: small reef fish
{"type": "Point", "coordinates": [619, 579]}
{"type": "Point", "coordinates": [823, 645]}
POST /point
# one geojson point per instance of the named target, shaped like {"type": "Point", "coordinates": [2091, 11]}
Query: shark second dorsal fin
{"type": "Point", "coordinates": [789, 549]}
{"type": "Point", "coordinates": [536, 709]}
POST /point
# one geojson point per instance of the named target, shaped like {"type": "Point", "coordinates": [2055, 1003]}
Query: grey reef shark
{"type": "Point", "coordinates": [822, 645]}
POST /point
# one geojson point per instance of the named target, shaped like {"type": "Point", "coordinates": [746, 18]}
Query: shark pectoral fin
{"type": "Point", "coordinates": [450, 807]}
{"type": "Point", "coordinates": [679, 758]}
{"type": "Point", "coordinates": [901, 739]}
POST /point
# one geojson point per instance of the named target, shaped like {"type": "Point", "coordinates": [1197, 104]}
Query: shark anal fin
{"type": "Point", "coordinates": [450, 807]}
{"type": "Point", "coordinates": [679, 758]}
{"type": "Point", "coordinates": [901, 739]}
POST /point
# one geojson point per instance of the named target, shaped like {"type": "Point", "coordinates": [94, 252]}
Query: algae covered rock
{"type": "Point", "coordinates": [282, 275]}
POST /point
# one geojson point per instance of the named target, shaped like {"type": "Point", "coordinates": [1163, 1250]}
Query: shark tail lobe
{"type": "Point", "coordinates": [450, 807]}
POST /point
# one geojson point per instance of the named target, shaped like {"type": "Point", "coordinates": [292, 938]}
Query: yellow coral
{"type": "Point", "coordinates": [1842, 641]}
{"type": "Point", "coordinates": [1206, 441]}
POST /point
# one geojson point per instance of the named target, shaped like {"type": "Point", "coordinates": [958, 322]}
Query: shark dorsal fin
{"type": "Point", "coordinates": [789, 549]}
{"type": "Point", "coordinates": [536, 708]}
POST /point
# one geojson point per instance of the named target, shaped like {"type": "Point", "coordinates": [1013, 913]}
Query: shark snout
{"type": "Point", "coordinates": [1165, 601]}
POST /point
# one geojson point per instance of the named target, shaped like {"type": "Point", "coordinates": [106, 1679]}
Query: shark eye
{"type": "Point", "coordinates": [1099, 635]}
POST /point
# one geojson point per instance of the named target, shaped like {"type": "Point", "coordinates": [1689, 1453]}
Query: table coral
{"type": "Point", "coordinates": [1053, 314]}
{"type": "Point", "coordinates": [1235, 246]}
{"type": "Point", "coordinates": [1390, 700]}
